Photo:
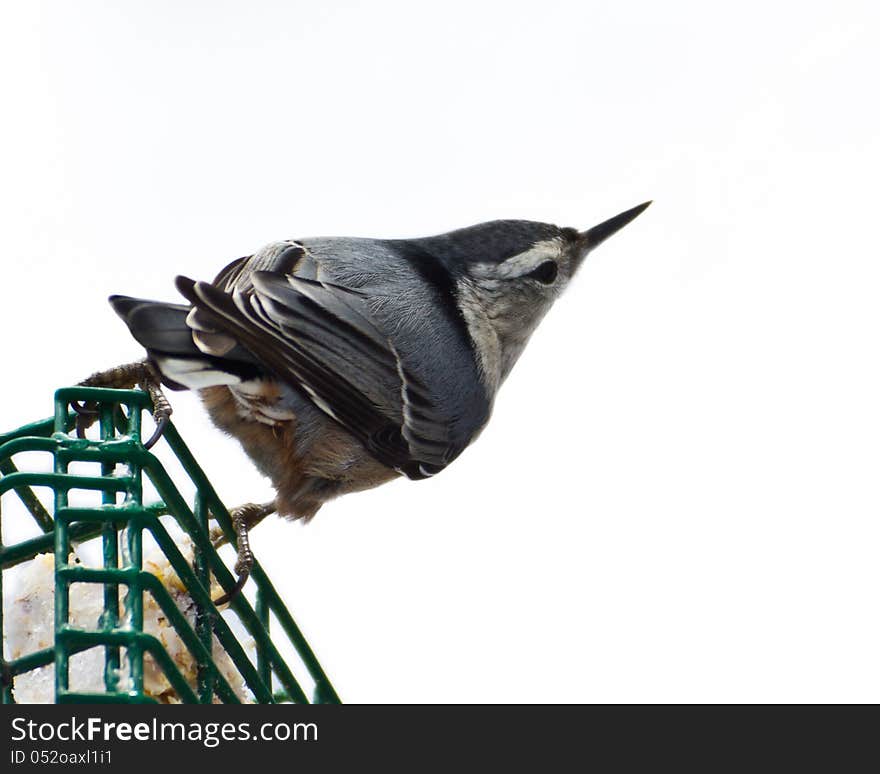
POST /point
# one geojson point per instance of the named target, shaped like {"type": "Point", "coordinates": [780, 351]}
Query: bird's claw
{"type": "Point", "coordinates": [161, 419]}
{"type": "Point", "coordinates": [140, 374]}
{"type": "Point", "coordinates": [245, 559]}
{"type": "Point", "coordinates": [86, 415]}
{"type": "Point", "coordinates": [228, 596]}
{"type": "Point", "coordinates": [244, 517]}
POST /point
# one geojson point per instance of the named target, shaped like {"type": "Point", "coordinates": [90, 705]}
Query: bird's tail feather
{"type": "Point", "coordinates": [162, 329]}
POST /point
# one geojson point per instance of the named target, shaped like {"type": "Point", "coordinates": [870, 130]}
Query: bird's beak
{"type": "Point", "coordinates": [591, 238]}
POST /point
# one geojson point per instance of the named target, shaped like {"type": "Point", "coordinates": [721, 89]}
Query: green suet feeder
{"type": "Point", "coordinates": [119, 522]}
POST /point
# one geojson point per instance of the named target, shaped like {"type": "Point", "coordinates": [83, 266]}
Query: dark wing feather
{"type": "Point", "coordinates": [321, 338]}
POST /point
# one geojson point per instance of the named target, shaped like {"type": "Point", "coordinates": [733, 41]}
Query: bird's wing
{"type": "Point", "coordinates": [322, 339]}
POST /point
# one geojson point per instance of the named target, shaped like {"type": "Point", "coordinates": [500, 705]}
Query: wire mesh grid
{"type": "Point", "coordinates": [120, 523]}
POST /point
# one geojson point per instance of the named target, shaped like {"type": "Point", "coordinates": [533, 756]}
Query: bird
{"type": "Point", "coordinates": [341, 363]}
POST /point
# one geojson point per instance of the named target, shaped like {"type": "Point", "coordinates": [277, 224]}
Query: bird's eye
{"type": "Point", "coordinates": [545, 273]}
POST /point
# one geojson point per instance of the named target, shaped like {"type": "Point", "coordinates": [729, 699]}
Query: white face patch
{"type": "Point", "coordinates": [501, 312]}
{"type": "Point", "coordinates": [520, 264]}
{"type": "Point", "coordinates": [483, 335]}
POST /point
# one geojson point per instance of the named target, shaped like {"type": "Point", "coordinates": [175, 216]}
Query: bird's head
{"type": "Point", "coordinates": [508, 274]}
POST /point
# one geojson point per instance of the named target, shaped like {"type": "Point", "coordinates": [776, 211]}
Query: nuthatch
{"type": "Point", "coordinates": [341, 363]}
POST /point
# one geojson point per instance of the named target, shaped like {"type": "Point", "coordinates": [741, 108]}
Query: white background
{"type": "Point", "coordinates": [677, 498]}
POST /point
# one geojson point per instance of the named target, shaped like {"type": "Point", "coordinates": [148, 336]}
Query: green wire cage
{"type": "Point", "coordinates": [117, 466]}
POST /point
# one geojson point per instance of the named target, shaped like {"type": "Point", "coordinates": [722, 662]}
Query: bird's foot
{"type": "Point", "coordinates": [244, 518]}
{"type": "Point", "coordinates": [141, 374]}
